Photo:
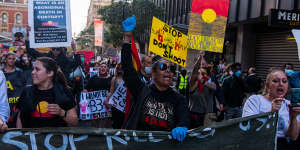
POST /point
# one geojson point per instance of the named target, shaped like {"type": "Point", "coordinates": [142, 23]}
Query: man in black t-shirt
{"type": "Point", "coordinates": [96, 83]}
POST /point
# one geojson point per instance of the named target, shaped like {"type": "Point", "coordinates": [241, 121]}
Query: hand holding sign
{"type": "Point", "coordinates": [168, 42]}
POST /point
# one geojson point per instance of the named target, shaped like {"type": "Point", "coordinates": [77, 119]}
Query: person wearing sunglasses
{"type": "Point", "coordinates": [57, 53]}
{"type": "Point", "coordinates": [16, 82]}
{"type": "Point", "coordinates": [155, 107]}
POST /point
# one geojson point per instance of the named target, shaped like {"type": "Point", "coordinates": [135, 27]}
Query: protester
{"type": "Point", "coordinates": [25, 64]}
{"type": "Point", "coordinates": [117, 115]}
{"type": "Point", "coordinates": [146, 67]}
{"type": "Point", "coordinates": [49, 102]}
{"type": "Point", "coordinates": [221, 66]}
{"type": "Point", "coordinates": [224, 75]}
{"type": "Point", "coordinates": [4, 106]}
{"type": "Point", "coordinates": [16, 82]}
{"type": "Point", "coordinates": [272, 100]}
{"type": "Point", "coordinates": [183, 84]}
{"type": "Point", "coordinates": [157, 106]}
{"type": "Point", "coordinates": [96, 83]}
{"type": "Point", "coordinates": [234, 89]}
{"type": "Point", "coordinates": [112, 68]}
{"type": "Point", "coordinates": [57, 53]}
{"type": "Point", "coordinates": [253, 81]}
{"type": "Point", "coordinates": [202, 98]}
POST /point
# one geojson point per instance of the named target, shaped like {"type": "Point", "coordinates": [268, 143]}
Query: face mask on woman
{"type": "Point", "coordinates": [148, 70]}
{"type": "Point", "coordinates": [289, 72]}
{"type": "Point", "coordinates": [238, 73]}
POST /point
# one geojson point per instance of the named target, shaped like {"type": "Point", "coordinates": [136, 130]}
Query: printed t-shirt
{"type": "Point", "coordinates": [15, 83]}
{"type": "Point", "coordinates": [257, 104]}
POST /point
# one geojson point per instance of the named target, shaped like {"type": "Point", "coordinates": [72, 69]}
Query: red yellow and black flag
{"type": "Point", "coordinates": [207, 25]}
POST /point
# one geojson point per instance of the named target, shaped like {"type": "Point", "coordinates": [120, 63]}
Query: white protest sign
{"type": "Point", "coordinates": [50, 23]}
{"type": "Point", "coordinates": [91, 105]}
{"type": "Point", "coordinates": [94, 72]}
{"type": "Point", "coordinates": [296, 33]}
{"type": "Point", "coordinates": [118, 99]}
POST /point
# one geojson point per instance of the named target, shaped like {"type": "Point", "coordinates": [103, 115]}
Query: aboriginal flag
{"type": "Point", "coordinates": [207, 24]}
{"type": "Point", "coordinates": [137, 65]}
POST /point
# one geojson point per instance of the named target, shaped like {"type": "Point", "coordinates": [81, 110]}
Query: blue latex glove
{"type": "Point", "coordinates": [129, 24]}
{"type": "Point", "coordinates": [179, 133]}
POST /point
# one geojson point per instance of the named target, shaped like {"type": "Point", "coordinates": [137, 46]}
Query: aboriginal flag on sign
{"type": "Point", "coordinates": [207, 25]}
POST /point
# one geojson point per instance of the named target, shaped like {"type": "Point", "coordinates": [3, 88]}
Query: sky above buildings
{"type": "Point", "coordinates": [79, 12]}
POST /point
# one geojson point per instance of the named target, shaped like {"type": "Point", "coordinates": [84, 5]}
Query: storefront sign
{"type": "Point", "coordinates": [254, 133]}
{"type": "Point", "coordinates": [168, 42]}
{"type": "Point", "coordinates": [207, 25]}
{"type": "Point", "coordinates": [118, 99]}
{"type": "Point", "coordinates": [285, 18]}
{"type": "Point", "coordinates": [50, 23]}
{"type": "Point", "coordinates": [91, 105]}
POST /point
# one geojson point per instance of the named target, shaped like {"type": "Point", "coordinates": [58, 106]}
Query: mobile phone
{"type": "Point", "coordinates": [295, 97]}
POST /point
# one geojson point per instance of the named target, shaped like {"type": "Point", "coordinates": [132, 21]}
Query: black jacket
{"type": "Point", "coordinates": [141, 93]}
{"type": "Point", "coordinates": [63, 97]}
{"type": "Point", "coordinates": [62, 60]}
{"type": "Point", "coordinates": [234, 91]}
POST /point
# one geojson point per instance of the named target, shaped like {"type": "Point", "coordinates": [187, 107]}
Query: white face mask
{"type": "Point", "coordinates": [231, 73]}
{"type": "Point", "coordinates": [148, 70]}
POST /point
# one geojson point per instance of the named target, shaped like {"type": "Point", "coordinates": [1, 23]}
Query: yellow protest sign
{"type": "Point", "coordinates": [168, 42]}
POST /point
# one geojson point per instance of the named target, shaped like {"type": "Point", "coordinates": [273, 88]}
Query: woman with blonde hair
{"type": "Point", "coordinates": [271, 100]}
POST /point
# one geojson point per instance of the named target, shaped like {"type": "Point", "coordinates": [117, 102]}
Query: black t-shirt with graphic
{"type": "Point", "coordinates": [40, 117]}
{"type": "Point", "coordinates": [15, 83]}
{"type": "Point", "coordinates": [158, 112]}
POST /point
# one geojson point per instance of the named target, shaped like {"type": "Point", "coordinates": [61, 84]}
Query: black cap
{"type": "Point", "coordinates": [156, 59]}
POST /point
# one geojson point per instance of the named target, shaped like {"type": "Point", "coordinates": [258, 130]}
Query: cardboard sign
{"type": "Point", "coordinates": [94, 72]}
{"type": "Point", "coordinates": [50, 23]}
{"type": "Point", "coordinates": [168, 42]}
{"type": "Point", "coordinates": [91, 105]}
{"type": "Point", "coordinates": [118, 99]}
{"type": "Point", "coordinates": [207, 25]}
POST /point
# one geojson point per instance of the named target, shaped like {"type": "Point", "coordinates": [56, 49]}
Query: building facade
{"type": "Point", "coordinates": [258, 42]}
{"type": "Point", "coordinates": [250, 39]}
{"type": "Point", "coordinates": [13, 13]}
{"type": "Point", "coordinates": [94, 7]}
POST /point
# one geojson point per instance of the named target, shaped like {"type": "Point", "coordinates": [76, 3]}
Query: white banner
{"type": "Point", "coordinates": [118, 99]}
{"type": "Point", "coordinates": [91, 105]}
{"type": "Point", "coordinates": [296, 33]}
{"type": "Point", "coordinates": [50, 23]}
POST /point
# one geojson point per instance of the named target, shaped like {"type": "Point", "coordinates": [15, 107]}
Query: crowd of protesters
{"type": "Point", "coordinates": [43, 90]}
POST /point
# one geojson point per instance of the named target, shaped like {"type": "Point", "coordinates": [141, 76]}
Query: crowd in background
{"type": "Point", "coordinates": [43, 90]}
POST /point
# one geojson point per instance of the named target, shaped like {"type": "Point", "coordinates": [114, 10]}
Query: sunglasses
{"type": "Point", "coordinates": [164, 67]}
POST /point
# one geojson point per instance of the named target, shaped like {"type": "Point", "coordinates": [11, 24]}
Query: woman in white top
{"type": "Point", "coordinates": [276, 87]}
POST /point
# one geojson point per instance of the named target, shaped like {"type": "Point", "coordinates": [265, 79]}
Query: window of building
{"type": "Point", "coordinates": [18, 19]}
{"type": "Point", "coordinates": [1, 1]}
{"type": "Point", "coordinates": [4, 18]}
